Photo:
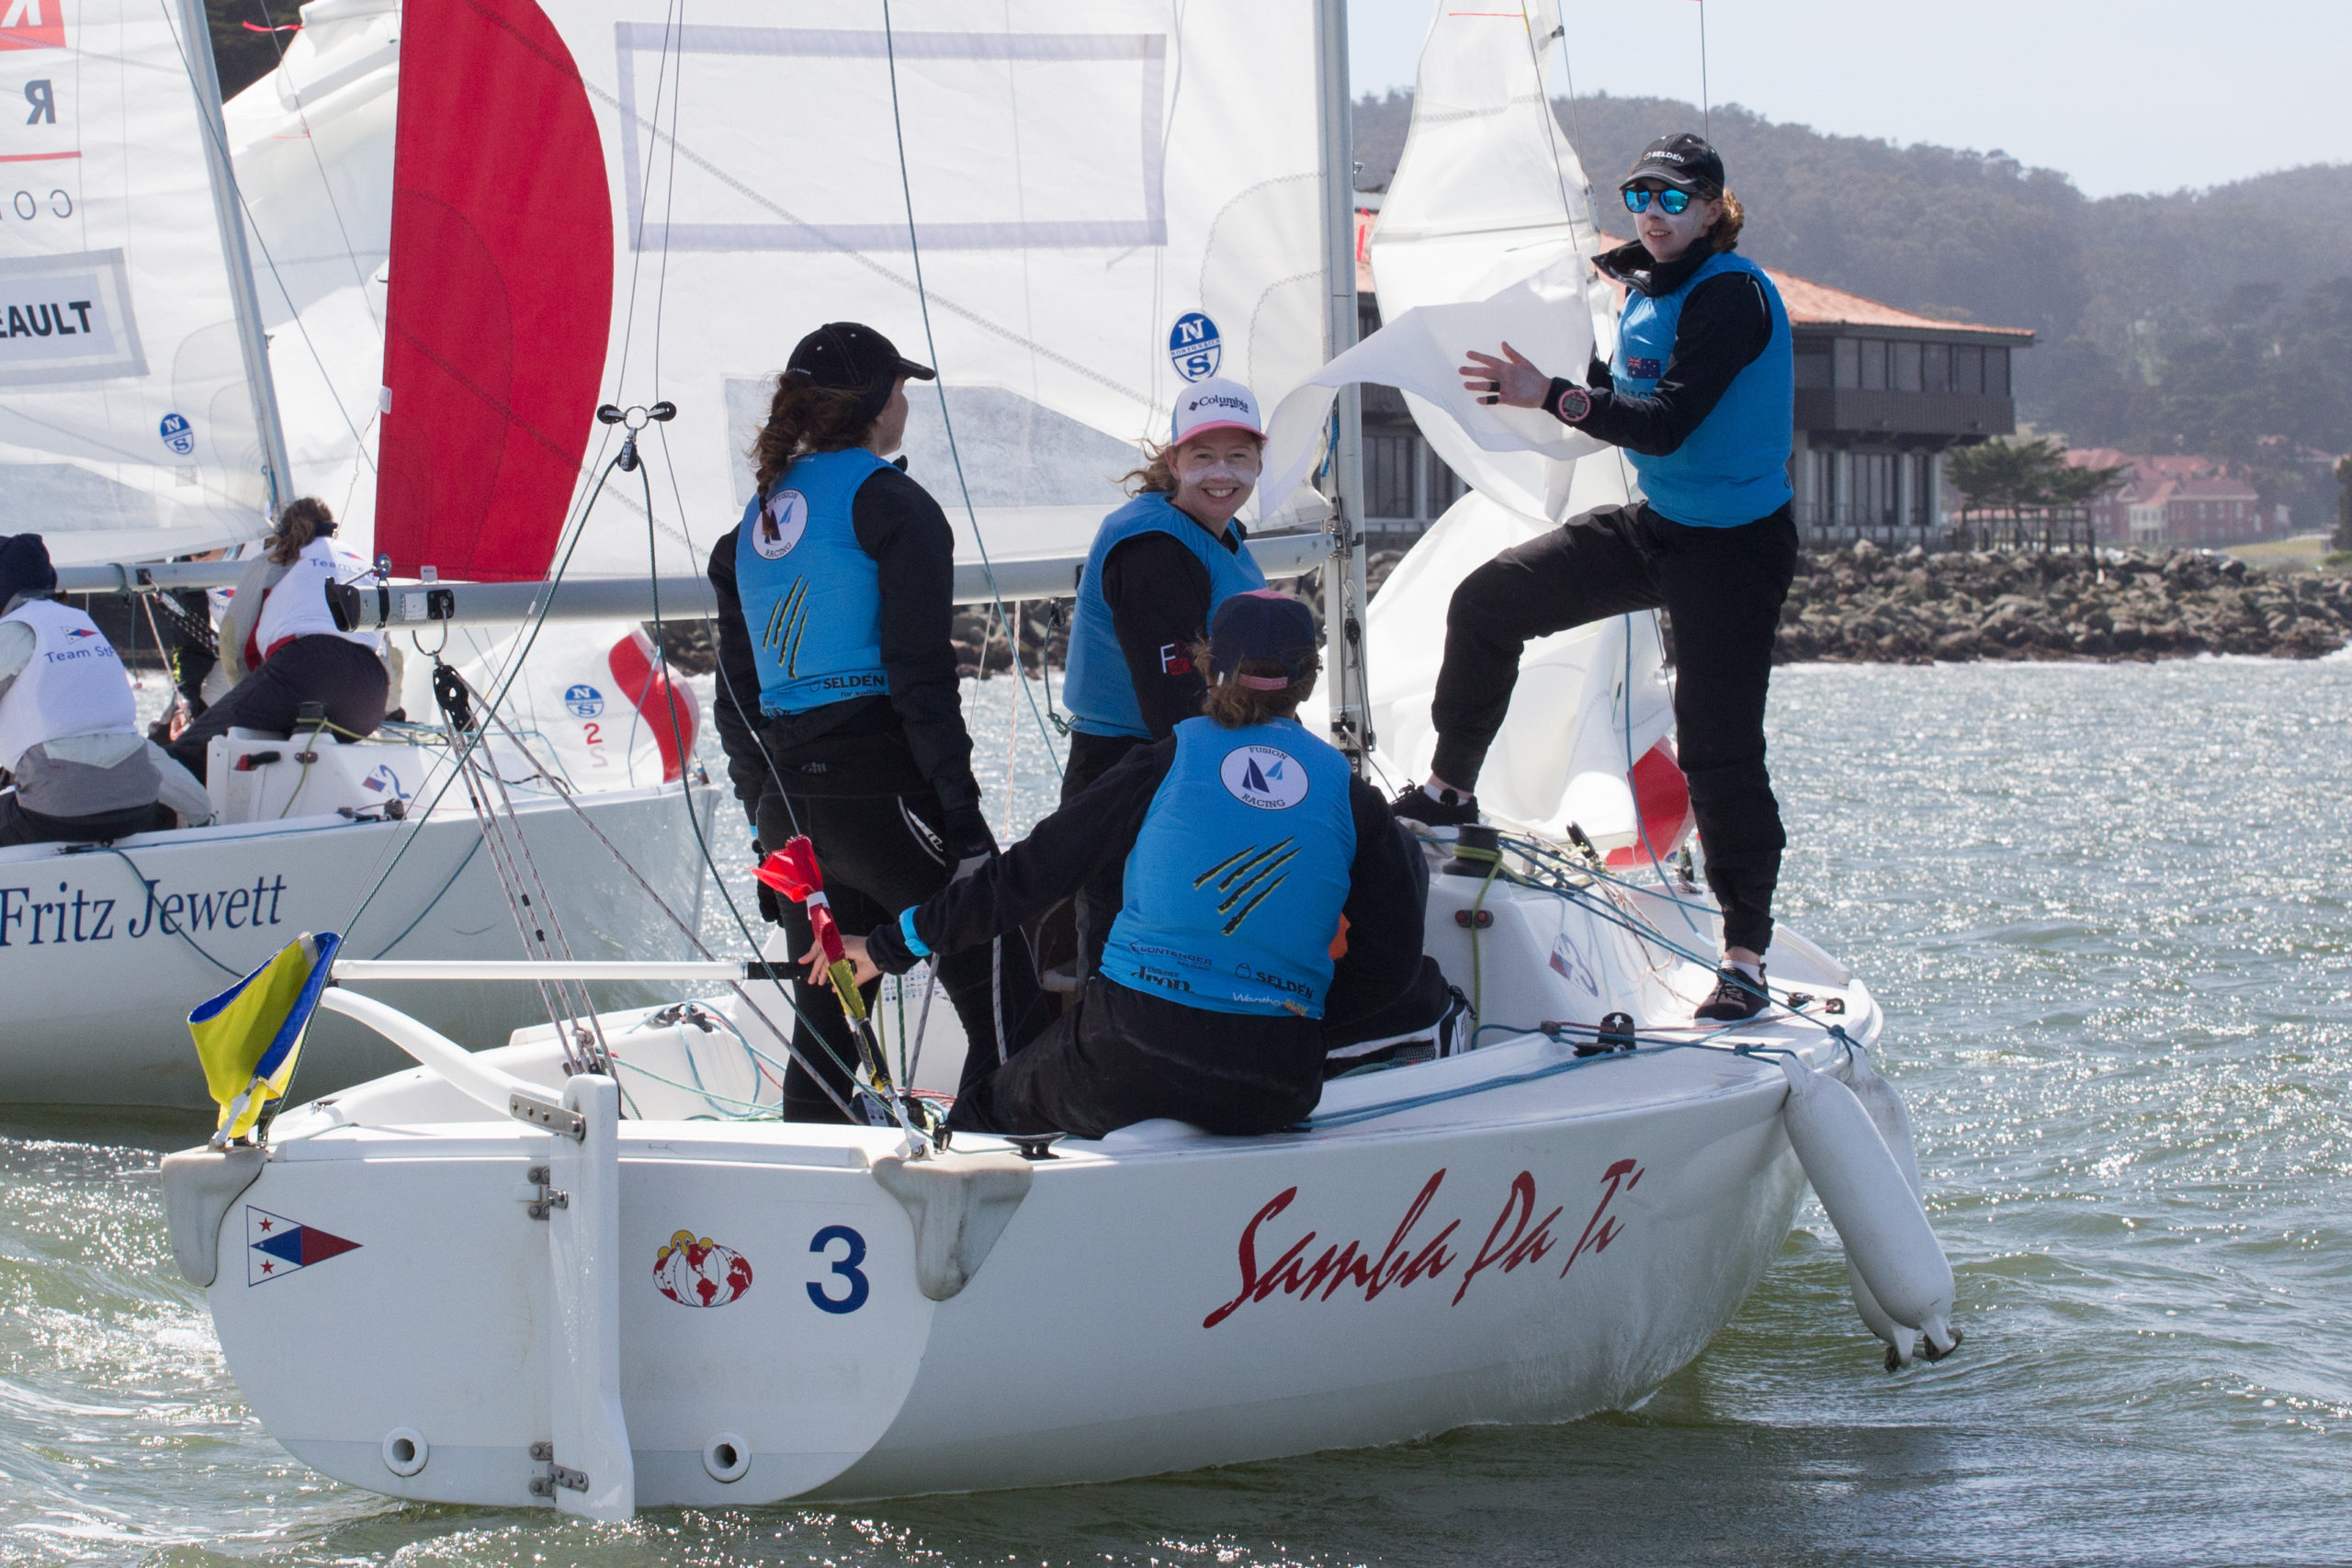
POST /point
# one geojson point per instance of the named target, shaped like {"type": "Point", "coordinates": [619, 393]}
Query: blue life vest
{"type": "Point", "coordinates": [811, 596]}
{"type": "Point", "coordinates": [1236, 883]}
{"type": "Point", "coordinates": [1095, 682]}
{"type": "Point", "coordinates": [1735, 466]}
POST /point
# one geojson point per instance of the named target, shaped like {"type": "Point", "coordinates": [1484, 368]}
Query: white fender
{"type": "Point", "coordinates": [1878, 1216]}
{"type": "Point", "coordinates": [1893, 1125]}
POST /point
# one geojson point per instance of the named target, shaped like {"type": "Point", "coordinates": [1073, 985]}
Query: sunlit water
{"type": "Point", "coordinates": [2107, 908]}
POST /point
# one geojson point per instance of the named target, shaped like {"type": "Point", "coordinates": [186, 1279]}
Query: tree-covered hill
{"type": "Point", "coordinates": [2200, 321]}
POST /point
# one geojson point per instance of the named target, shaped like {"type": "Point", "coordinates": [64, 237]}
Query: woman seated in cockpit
{"type": "Point", "coordinates": [1248, 846]}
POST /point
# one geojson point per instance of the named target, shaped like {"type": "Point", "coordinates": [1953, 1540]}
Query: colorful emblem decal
{"type": "Point", "coordinates": [80, 632]}
{"type": "Point", "coordinates": [583, 701]}
{"type": "Point", "coordinates": [1194, 346]}
{"type": "Point", "coordinates": [277, 1247]}
{"type": "Point", "coordinates": [781, 524]}
{"type": "Point", "coordinates": [177, 434]}
{"type": "Point", "coordinates": [699, 1272]}
{"type": "Point", "coordinates": [1263, 776]}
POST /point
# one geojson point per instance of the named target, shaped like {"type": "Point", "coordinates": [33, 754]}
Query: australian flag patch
{"type": "Point", "coordinates": [1644, 369]}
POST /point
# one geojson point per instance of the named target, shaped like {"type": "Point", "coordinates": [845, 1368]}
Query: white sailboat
{"type": "Point", "coordinates": [138, 421]}
{"type": "Point", "coordinates": [608, 1289]}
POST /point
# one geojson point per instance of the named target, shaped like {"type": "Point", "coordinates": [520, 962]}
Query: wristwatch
{"type": "Point", "coordinates": [1572, 404]}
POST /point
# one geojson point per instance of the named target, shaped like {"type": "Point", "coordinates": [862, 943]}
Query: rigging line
{"type": "Point", "coordinates": [922, 299]}
{"type": "Point", "coordinates": [310, 138]}
{"type": "Point", "coordinates": [710, 861]}
{"type": "Point", "coordinates": [748, 713]}
{"type": "Point", "coordinates": [513, 671]}
{"type": "Point", "coordinates": [1706, 121]}
{"type": "Point", "coordinates": [850, 252]}
{"type": "Point", "coordinates": [637, 243]}
{"type": "Point", "coordinates": [252, 229]}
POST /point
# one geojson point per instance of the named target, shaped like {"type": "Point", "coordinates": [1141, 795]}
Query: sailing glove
{"type": "Point", "coordinates": [969, 843]}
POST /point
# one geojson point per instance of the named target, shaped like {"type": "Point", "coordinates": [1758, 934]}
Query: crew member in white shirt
{"type": "Point", "coordinates": [292, 648]}
{"type": "Point", "coordinates": [74, 766]}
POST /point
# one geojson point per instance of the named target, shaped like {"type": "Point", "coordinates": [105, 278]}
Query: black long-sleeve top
{"type": "Point", "coordinates": [1724, 326]}
{"type": "Point", "coordinates": [1099, 826]}
{"type": "Point", "coordinates": [1159, 595]}
{"type": "Point", "coordinates": [874, 745]}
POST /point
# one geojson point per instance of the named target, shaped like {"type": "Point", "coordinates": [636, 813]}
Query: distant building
{"type": "Point", "coordinates": [1882, 395]}
{"type": "Point", "coordinates": [2173, 498]}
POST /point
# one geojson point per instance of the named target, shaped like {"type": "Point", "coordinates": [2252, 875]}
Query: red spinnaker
{"type": "Point", "coordinates": [502, 292]}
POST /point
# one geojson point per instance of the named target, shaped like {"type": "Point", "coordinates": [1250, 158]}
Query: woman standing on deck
{"type": "Point", "coordinates": [837, 700]}
{"type": "Point", "coordinates": [1700, 394]}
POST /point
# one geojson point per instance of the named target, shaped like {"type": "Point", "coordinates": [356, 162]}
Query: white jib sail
{"type": "Point", "coordinates": [127, 428]}
{"type": "Point", "coordinates": [1485, 235]}
{"type": "Point", "coordinates": [1111, 197]}
{"type": "Point", "coordinates": [312, 142]}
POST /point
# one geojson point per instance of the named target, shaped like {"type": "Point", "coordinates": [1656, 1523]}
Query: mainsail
{"type": "Point", "coordinates": [128, 417]}
{"type": "Point", "coordinates": [1074, 207]}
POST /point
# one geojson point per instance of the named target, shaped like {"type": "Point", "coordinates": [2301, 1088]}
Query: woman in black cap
{"type": "Point", "coordinates": [280, 638]}
{"type": "Point", "coordinates": [837, 699]}
{"type": "Point", "coordinates": [1700, 396]}
{"type": "Point", "coordinates": [1250, 849]}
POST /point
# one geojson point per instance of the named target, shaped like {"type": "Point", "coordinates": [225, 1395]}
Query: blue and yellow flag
{"type": "Point", "coordinates": [251, 1034]}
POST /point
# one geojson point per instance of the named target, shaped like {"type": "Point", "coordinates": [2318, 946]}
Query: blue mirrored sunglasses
{"type": "Point", "coordinates": [1674, 201]}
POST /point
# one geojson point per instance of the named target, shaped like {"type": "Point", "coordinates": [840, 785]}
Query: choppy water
{"type": "Point", "coordinates": [2107, 911]}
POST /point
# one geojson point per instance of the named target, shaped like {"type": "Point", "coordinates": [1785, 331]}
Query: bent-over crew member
{"type": "Point", "coordinates": [1700, 395]}
{"type": "Point", "coordinates": [1243, 839]}
{"type": "Point", "coordinates": [837, 699]}
{"type": "Point", "coordinates": [292, 650]}
{"type": "Point", "coordinates": [70, 742]}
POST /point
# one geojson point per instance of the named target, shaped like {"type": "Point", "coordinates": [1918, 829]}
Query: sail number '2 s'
{"type": "Point", "coordinates": [845, 1268]}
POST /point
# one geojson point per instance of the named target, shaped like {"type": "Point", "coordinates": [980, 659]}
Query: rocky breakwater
{"type": "Point", "coordinates": [1861, 603]}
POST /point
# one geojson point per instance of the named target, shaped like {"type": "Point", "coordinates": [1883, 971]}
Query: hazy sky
{"type": "Point", "coordinates": [2122, 95]}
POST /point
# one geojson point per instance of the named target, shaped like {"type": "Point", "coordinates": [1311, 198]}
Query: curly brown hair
{"type": "Point", "coordinates": [803, 418]}
{"type": "Point", "coordinates": [302, 521]}
{"type": "Point", "coordinates": [1236, 707]}
{"type": "Point", "coordinates": [1724, 233]}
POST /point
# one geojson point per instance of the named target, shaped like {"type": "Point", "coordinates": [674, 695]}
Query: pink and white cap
{"type": "Point", "coordinates": [1214, 404]}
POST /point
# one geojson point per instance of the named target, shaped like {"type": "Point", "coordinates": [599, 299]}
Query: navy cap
{"type": "Point", "coordinates": [1683, 161]}
{"type": "Point", "coordinates": [1262, 624]}
{"type": "Point", "coordinates": [24, 566]}
{"type": "Point", "coordinates": [850, 356]}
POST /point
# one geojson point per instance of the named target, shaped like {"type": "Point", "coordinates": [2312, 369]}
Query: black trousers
{"type": "Point", "coordinates": [880, 854]}
{"type": "Point", "coordinates": [18, 826]}
{"type": "Point", "coordinates": [1119, 1056]}
{"type": "Point", "coordinates": [1722, 586]}
{"type": "Point", "coordinates": [1099, 902]}
{"type": "Point", "coordinates": [346, 680]}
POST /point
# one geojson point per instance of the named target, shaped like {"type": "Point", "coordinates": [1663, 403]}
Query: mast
{"type": "Point", "coordinates": [228, 209]}
{"type": "Point", "coordinates": [1343, 584]}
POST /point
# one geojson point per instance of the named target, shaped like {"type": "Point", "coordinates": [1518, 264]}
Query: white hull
{"type": "Point", "coordinates": [104, 952]}
{"type": "Point", "coordinates": [1555, 1243]}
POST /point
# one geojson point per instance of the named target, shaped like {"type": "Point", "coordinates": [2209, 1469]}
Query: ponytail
{"type": "Point", "coordinates": [805, 418]}
{"type": "Point", "coordinates": [301, 522]}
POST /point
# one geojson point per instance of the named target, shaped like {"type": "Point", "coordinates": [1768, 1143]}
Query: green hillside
{"type": "Point", "coordinates": [2200, 321]}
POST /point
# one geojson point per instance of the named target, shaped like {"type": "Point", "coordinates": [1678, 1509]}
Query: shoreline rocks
{"type": "Point", "coordinates": [1860, 603]}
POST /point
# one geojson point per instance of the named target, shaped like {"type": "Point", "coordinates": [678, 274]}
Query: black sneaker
{"type": "Point", "coordinates": [1449, 810]}
{"type": "Point", "coordinates": [1736, 996]}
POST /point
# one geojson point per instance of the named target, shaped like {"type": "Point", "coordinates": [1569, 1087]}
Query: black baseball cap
{"type": "Point", "coordinates": [1683, 161]}
{"type": "Point", "coordinates": [1262, 624]}
{"type": "Point", "coordinates": [850, 356]}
